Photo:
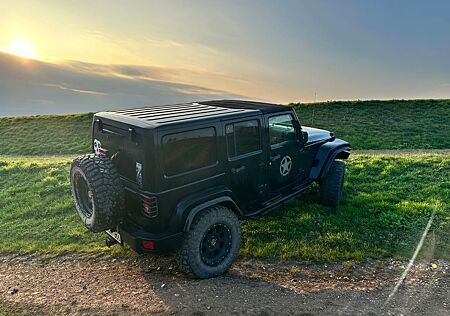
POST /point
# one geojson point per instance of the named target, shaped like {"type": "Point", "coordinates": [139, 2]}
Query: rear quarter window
{"type": "Point", "coordinates": [189, 150]}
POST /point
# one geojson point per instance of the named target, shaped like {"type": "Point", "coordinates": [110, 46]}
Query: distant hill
{"type": "Point", "coordinates": [412, 124]}
{"type": "Point", "coordinates": [393, 124]}
{"type": "Point", "coordinates": [45, 134]}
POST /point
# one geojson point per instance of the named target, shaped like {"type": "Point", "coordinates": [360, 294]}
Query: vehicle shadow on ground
{"type": "Point", "coordinates": [243, 290]}
{"type": "Point", "coordinates": [251, 289]}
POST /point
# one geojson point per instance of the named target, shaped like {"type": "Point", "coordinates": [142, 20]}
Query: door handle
{"type": "Point", "coordinates": [237, 169]}
{"type": "Point", "coordinates": [276, 157]}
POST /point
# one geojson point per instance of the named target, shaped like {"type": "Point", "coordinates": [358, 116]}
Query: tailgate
{"type": "Point", "coordinates": [124, 146]}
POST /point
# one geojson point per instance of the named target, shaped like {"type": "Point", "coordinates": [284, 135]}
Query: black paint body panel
{"type": "Point", "coordinates": [249, 184]}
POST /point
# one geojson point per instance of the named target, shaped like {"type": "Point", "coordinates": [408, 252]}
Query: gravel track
{"type": "Point", "coordinates": [69, 285]}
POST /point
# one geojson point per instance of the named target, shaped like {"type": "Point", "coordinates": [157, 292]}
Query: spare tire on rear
{"type": "Point", "coordinates": [97, 192]}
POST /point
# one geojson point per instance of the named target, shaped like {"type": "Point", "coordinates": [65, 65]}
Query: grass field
{"type": "Point", "coordinates": [414, 124]}
{"type": "Point", "coordinates": [395, 124]}
{"type": "Point", "coordinates": [389, 196]}
{"type": "Point", "coordinates": [388, 202]}
{"type": "Point", "coordinates": [45, 135]}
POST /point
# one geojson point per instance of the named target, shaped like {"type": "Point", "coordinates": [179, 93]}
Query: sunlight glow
{"type": "Point", "coordinates": [21, 48]}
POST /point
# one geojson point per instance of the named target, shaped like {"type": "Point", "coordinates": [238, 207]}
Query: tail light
{"type": "Point", "coordinates": [148, 244]}
{"type": "Point", "coordinates": [150, 206]}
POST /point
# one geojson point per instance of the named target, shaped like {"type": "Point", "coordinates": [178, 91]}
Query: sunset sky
{"type": "Point", "coordinates": [95, 55]}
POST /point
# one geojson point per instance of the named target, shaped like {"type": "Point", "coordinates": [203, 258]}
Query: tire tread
{"type": "Point", "coordinates": [331, 188]}
{"type": "Point", "coordinates": [190, 247]}
{"type": "Point", "coordinates": [107, 191]}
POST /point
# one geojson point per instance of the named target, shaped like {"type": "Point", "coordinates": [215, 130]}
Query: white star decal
{"type": "Point", "coordinates": [285, 165]}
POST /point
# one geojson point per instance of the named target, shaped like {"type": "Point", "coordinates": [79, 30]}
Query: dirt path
{"type": "Point", "coordinates": [142, 286]}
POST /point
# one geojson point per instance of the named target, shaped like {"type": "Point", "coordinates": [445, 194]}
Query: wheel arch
{"type": "Point", "coordinates": [190, 206]}
{"type": "Point", "coordinates": [223, 200]}
{"type": "Point", "coordinates": [327, 153]}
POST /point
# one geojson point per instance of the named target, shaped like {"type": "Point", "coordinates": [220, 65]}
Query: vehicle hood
{"type": "Point", "coordinates": [317, 135]}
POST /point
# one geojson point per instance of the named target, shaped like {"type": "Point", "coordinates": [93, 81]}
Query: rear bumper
{"type": "Point", "coordinates": [133, 235]}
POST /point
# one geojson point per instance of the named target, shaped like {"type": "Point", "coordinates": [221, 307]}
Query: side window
{"type": "Point", "coordinates": [189, 150]}
{"type": "Point", "coordinates": [242, 138]}
{"type": "Point", "coordinates": [281, 129]}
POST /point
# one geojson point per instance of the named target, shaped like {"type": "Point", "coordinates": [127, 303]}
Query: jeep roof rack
{"type": "Point", "coordinates": [182, 112]}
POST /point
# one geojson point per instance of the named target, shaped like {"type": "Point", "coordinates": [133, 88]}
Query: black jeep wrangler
{"type": "Point", "coordinates": [178, 177]}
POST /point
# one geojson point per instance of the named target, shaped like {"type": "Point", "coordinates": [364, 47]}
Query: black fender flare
{"type": "Point", "coordinates": [189, 207]}
{"type": "Point", "coordinates": [197, 209]}
{"type": "Point", "coordinates": [336, 149]}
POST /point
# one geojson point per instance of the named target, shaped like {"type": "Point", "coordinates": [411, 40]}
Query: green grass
{"type": "Point", "coordinates": [413, 124]}
{"type": "Point", "coordinates": [388, 200]}
{"type": "Point", "coordinates": [387, 204]}
{"type": "Point", "coordinates": [395, 124]}
{"type": "Point", "coordinates": [36, 210]}
{"type": "Point", "coordinates": [45, 135]}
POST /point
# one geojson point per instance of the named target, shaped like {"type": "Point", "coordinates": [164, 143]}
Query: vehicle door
{"type": "Point", "coordinates": [246, 163]}
{"type": "Point", "coordinates": [285, 165]}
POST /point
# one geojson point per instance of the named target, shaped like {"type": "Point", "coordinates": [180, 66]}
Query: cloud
{"type": "Point", "coordinates": [174, 75]}
{"type": "Point", "coordinates": [29, 87]}
{"type": "Point", "coordinates": [117, 70]}
{"type": "Point", "coordinates": [198, 91]}
{"type": "Point", "coordinates": [64, 86]}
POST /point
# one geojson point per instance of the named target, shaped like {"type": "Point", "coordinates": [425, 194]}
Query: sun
{"type": "Point", "coordinates": [21, 48]}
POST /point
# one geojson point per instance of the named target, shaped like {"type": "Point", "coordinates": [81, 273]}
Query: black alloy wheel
{"type": "Point", "coordinates": [216, 244]}
{"type": "Point", "coordinates": [211, 244]}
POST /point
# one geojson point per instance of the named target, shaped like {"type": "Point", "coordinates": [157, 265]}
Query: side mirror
{"type": "Point", "coordinates": [304, 137]}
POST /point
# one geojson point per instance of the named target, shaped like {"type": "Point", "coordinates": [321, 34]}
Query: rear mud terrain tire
{"type": "Point", "coordinates": [212, 243]}
{"type": "Point", "coordinates": [331, 187]}
{"type": "Point", "coordinates": [97, 192]}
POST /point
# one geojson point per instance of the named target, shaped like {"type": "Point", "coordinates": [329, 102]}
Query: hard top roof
{"type": "Point", "coordinates": [177, 113]}
{"type": "Point", "coordinates": [239, 104]}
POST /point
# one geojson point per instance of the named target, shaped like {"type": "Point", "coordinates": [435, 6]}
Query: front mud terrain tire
{"type": "Point", "coordinates": [212, 243]}
{"type": "Point", "coordinates": [97, 192]}
{"type": "Point", "coordinates": [331, 187]}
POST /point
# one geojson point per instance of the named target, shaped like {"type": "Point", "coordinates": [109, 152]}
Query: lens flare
{"type": "Point", "coordinates": [21, 48]}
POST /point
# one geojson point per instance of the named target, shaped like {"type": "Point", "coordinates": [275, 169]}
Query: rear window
{"type": "Point", "coordinates": [189, 150]}
{"type": "Point", "coordinates": [243, 138]}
